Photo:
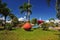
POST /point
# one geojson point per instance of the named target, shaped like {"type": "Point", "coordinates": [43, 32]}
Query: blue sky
{"type": "Point", "coordinates": [39, 8]}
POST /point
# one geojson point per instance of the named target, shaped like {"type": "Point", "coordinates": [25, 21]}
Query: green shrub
{"type": "Point", "coordinates": [8, 26]}
{"type": "Point", "coordinates": [56, 24]}
{"type": "Point", "coordinates": [34, 21]}
{"type": "Point", "coordinates": [52, 24]}
{"type": "Point", "coordinates": [45, 26]}
{"type": "Point", "coordinates": [14, 22]}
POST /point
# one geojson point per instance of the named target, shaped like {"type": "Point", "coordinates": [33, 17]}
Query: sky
{"type": "Point", "coordinates": [39, 8]}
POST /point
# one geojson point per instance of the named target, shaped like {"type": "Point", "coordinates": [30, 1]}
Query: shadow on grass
{"type": "Point", "coordinates": [1, 29]}
{"type": "Point", "coordinates": [29, 30]}
{"type": "Point", "coordinates": [58, 34]}
{"type": "Point", "coordinates": [11, 29]}
{"type": "Point", "coordinates": [7, 31]}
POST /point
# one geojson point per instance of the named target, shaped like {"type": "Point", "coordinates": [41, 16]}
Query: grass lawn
{"type": "Point", "coordinates": [35, 34]}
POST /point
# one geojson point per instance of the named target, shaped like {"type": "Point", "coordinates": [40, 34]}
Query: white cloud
{"type": "Point", "coordinates": [2, 18]}
{"type": "Point", "coordinates": [46, 21]}
{"type": "Point", "coordinates": [22, 19]}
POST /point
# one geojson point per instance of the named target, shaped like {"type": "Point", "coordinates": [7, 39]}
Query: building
{"type": "Point", "coordinates": [55, 21]}
{"type": "Point", "coordinates": [1, 21]}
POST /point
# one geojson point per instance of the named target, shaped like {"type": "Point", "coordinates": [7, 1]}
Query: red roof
{"type": "Point", "coordinates": [40, 21]}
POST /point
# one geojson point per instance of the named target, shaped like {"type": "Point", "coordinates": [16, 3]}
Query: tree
{"type": "Point", "coordinates": [52, 22]}
{"type": "Point", "coordinates": [14, 19]}
{"type": "Point", "coordinates": [51, 19]}
{"type": "Point", "coordinates": [2, 6]}
{"type": "Point", "coordinates": [5, 11]}
{"type": "Point", "coordinates": [25, 8]}
{"type": "Point", "coordinates": [58, 15]}
{"type": "Point", "coordinates": [34, 21]}
{"type": "Point", "coordinates": [11, 15]}
{"type": "Point", "coordinates": [45, 26]}
{"type": "Point", "coordinates": [57, 7]}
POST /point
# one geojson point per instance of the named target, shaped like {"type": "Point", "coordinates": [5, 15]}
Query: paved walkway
{"type": "Point", "coordinates": [57, 28]}
{"type": "Point", "coordinates": [54, 28]}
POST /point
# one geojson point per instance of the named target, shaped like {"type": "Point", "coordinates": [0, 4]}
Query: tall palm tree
{"type": "Point", "coordinates": [4, 10]}
{"type": "Point", "coordinates": [26, 9]}
{"type": "Point", "coordinates": [57, 7]}
{"type": "Point", "coordinates": [5, 13]}
{"type": "Point", "coordinates": [29, 11]}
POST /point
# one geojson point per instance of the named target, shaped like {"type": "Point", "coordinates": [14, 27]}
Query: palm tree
{"type": "Point", "coordinates": [14, 19]}
{"type": "Point", "coordinates": [57, 7]}
{"type": "Point", "coordinates": [26, 9]}
{"type": "Point", "coordinates": [4, 10]}
{"type": "Point", "coordinates": [58, 15]}
{"type": "Point", "coordinates": [5, 13]}
{"type": "Point", "coordinates": [11, 15]}
{"type": "Point", "coordinates": [2, 6]}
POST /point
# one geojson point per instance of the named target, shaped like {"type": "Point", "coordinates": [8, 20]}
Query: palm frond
{"type": "Point", "coordinates": [29, 11]}
{"type": "Point", "coordinates": [21, 7]}
{"type": "Point", "coordinates": [25, 4]}
{"type": "Point", "coordinates": [58, 15]}
{"type": "Point", "coordinates": [5, 11]}
{"type": "Point", "coordinates": [0, 1]}
{"type": "Point", "coordinates": [22, 11]}
{"type": "Point", "coordinates": [11, 15]}
{"type": "Point", "coordinates": [3, 5]}
{"type": "Point", "coordinates": [29, 6]}
{"type": "Point", "coordinates": [48, 2]}
{"type": "Point", "coordinates": [57, 5]}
